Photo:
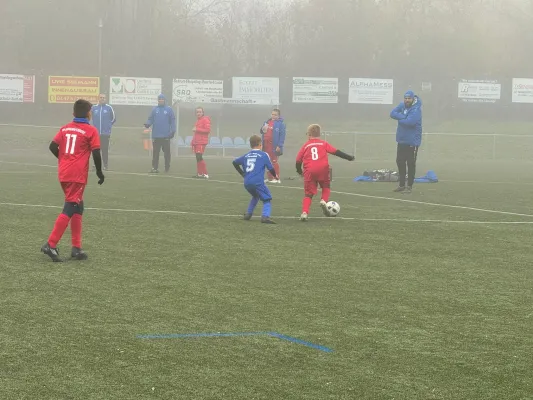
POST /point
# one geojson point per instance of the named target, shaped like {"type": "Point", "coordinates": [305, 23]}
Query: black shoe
{"type": "Point", "coordinates": [78, 254]}
{"type": "Point", "coordinates": [267, 220]}
{"type": "Point", "coordinates": [399, 189]}
{"type": "Point", "coordinates": [51, 252]}
{"type": "Point", "coordinates": [408, 190]}
{"type": "Point", "coordinates": [154, 171]}
{"type": "Point", "coordinates": [247, 217]}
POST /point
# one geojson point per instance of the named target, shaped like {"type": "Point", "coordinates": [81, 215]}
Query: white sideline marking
{"type": "Point", "coordinates": [26, 172]}
{"type": "Point", "coordinates": [298, 188]}
{"type": "Point", "coordinates": [174, 212]}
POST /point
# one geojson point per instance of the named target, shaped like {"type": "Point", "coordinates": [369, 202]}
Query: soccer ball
{"type": "Point", "coordinates": [333, 208]}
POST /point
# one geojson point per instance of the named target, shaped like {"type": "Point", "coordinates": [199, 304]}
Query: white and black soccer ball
{"type": "Point", "coordinates": [333, 208]}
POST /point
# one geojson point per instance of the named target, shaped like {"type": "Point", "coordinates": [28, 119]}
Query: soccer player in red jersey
{"type": "Point", "coordinates": [314, 157]}
{"type": "Point", "coordinates": [201, 130]}
{"type": "Point", "coordinates": [72, 146]}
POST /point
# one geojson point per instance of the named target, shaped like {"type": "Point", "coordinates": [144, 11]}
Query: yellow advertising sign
{"type": "Point", "coordinates": [68, 89]}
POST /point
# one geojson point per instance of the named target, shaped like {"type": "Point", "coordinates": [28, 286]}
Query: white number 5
{"type": "Point", "coordinates": [250, 164]}
{"type": "Point", "coordinates": [70, 148]}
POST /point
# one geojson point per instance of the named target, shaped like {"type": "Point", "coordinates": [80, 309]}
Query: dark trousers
{"type": "Point", "coordinates": [104, 146]}
{"type": "Point", "coordinates": [406, 161]}
{"type": "Point", "coordinates": [158, 144]}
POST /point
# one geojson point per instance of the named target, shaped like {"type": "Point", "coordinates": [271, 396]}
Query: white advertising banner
{"type": "Point", "coordinates": [479, 91]}
{"type": "Point", "coordinates": [196, 90]}
{"type": "Point", "coordinates": [371, 91]}
{"type": "Point", "coordinates": [17, 88]}
{"type": "Point", "coordinates": [315, 90]}
{"type": "Point", "coordinates": [263, 90]}
{"type": "Point", "coordinates": [522, 90]}
{"type": "Point", "coordinates": [134, 91]}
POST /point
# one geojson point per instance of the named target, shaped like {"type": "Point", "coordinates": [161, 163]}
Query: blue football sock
{"type": "Point", "coordinates": [267, 207]}
{"type": "Point", "coordinates": [251, 206]}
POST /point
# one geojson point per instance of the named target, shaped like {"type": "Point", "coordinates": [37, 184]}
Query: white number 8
{"type": "Point", "coordinates": [250, 164]}
{"type": "Point", "coordinates": [314, 153]}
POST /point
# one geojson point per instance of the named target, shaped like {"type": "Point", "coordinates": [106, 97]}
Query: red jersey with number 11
{"type": "Point", "coordinates": [314, 155]}
{"type": "Point", "coordinates": [76, 142]}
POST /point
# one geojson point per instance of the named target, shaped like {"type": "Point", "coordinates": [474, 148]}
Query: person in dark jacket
{"type": "Point", "coordinates": [163, 123]}
{"type": "Point", "coordinates": [103, 119]}
{"type": "Point", "coordinates": [409, 137]}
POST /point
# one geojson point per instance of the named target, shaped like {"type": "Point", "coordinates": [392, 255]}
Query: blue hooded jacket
{"type": "Point", "coordinates": [409, 129]}
{"type": "Point", "coordinates": [162, 120]}
{"type": "Point", "coordinates": [103, 118]}
{"type": "Point", "coordinates": [278, 134]}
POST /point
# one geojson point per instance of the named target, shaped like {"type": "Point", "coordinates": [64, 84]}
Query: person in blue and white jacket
{"type": "Point", "coordinates": [409, 138]}
{"type": "Point", "coordinates": [163, 122]}
{"type": "Point", "coordinates": [103, 120]}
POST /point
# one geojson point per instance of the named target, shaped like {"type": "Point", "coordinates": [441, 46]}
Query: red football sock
{"type": "Point", "coordinates": [203, 167]}
{"type": "Point", "coordinates": [306, 204]}
{"type": "Point", "coordinates": [199, 168]}
{"type": "Point", "coordinates": [325, 194]}
{"type": "Point", "coordinates": [59, 229]}
{"type": "Point", "coordinates": [75, 227]}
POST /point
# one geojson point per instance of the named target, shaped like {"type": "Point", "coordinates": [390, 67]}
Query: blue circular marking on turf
{"type": "Point", "coordinates": [237, 334]}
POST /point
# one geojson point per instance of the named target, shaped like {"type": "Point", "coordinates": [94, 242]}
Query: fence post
{"type": "Point", "coordinates": [494, 146]}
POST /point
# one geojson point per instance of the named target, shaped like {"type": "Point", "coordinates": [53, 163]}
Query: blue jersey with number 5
{"type": "Point", "coordinates": [254, 164]}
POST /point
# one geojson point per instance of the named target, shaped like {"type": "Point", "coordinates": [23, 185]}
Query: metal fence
{"type": "Point", "coordinates": [437, 146]}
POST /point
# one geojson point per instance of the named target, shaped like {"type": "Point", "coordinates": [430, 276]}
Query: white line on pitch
{"type": "Point", "coordinates": [174, 212]}
{"type": "Point", "coordinates": [298, 188]}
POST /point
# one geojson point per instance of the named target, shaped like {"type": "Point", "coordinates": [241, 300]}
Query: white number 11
{"type": "Point", "coordinates": [71, 150]}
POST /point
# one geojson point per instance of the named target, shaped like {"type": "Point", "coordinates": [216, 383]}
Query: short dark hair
{"type": "Point", "coordinates": [255, 141]}
{"type": "Point", "coordinates": [82, 108]}
{"type": "Point", "coordinates": [277, 110]}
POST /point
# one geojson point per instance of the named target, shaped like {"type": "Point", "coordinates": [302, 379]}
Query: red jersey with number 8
{"type": "Point", "coordinates": [314, 155]}
{"type": "Point", "coordinates": [76, 142]}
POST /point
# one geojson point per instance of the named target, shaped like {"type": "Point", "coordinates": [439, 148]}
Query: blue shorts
{"type": "Point", "coordinates": [260, 191]}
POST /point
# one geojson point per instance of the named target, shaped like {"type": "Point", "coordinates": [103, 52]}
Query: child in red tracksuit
{"type": "Point", "coordinates": [201, 130]}
{"type": "Point", "coordinates": [273, 136]}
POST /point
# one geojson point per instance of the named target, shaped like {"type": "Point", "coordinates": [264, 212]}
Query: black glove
{"type": "Point", "coordinates": [100, 176]}
{"type": "Point", "coordinates": [352, 159]}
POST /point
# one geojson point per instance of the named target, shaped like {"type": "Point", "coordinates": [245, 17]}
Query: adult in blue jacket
{"type": "Point", "coordinates": [103, 120]}
{"type": "Point", "coordinates": [163, 123]}
{"type": "Point", "coordinates": [409, 137]}
{"type": "Point", "coordinates": [273, 137]}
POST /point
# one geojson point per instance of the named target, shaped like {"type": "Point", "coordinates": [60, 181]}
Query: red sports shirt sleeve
{"type": "Point", "coordinates": [94, 140]}
{"type": "Point", "coordinates": [330, 149]}
{"type": "Point", "coordinates": [58, 137]}
{"type": "Point", "coordinates": [207, 125]}
{"type": "Point", "coordinates": [300, 156]}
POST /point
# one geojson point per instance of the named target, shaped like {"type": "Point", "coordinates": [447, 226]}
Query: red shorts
{"type": "Point", "coordinates": [312, 179]}
{"type": "Point", "coordinates": [198, 148]}
{"type": "Point", "coordinates": [73, 191]}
